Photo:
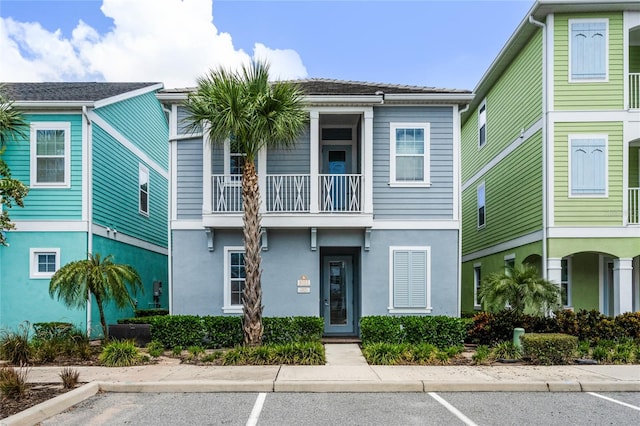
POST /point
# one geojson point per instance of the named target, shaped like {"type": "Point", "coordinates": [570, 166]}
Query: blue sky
{"type": "Point", "coordinates": [429, 43]}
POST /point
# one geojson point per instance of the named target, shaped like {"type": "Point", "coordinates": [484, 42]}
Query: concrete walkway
{"type": "Point", "coordinates": [345, 371]}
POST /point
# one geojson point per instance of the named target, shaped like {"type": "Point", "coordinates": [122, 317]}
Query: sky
{"type": "Point", "coordinates": [447, 44]}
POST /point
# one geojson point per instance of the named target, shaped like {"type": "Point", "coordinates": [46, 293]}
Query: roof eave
{"type": "Point", "coordinates": [61, 105]}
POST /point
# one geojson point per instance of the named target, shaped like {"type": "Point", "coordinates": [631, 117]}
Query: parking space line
{"type": "Point", "coordinates": [452, 409]}
{"type": "Point", "coordinates": [615, 401]}
{"type": "Point", "coordinates": [257, 409]}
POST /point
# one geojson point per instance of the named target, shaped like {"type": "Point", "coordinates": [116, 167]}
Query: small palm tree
{"type": "Point", "coordinates": [101, 278]}
{"type": "Point", "coordinates": [245, 108]}
{"type": "Point", "coordinates": [521, 288]}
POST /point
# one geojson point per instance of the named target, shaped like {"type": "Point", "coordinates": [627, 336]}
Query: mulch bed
{"type": "Point", "coordinates": [35, 394]}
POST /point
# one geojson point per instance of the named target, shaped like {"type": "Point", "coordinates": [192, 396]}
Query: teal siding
{"type": "Point", "coordinates": [115, 192]}
{"type": "Point", "coordinates": [44, 203]}
{"type": "Point", "coordinates": [24, 299]}
{"type": "Point", "coordinates": [142, 121]}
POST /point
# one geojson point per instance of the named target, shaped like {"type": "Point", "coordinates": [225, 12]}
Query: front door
{"type": "Point", "coordinates": [334, 187]}
{"type": "Point", "coordinates": [337, 293]}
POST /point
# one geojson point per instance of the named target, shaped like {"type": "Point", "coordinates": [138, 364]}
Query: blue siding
{"type": "Point", "coordinates": [434, 202]}
{"type": "Point", "coordinates": [189, 179]}
{"type": "Point", "coordinates": [291, 161]}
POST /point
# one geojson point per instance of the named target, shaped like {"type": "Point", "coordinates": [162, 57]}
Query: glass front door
{"type": "Point", "coordinates": [338, 295]}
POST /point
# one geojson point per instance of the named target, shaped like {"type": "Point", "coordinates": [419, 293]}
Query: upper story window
{"type": "Point", "coordinates": [588, 165]}
{"type": "Point", "coordinates": [234, 160]}
{"type": "Point", "coordinates": [43, 262]}
{"type": "Point", "coordinates": [143, 189]}
{"type": "Point", "coordinates": [50, 154]}
{"type": "Point", "coordinates": [409, 162]}
{"type": "Point", "coordinates": [410, 279]}
{"type": "Point", "coordinates": [480, 201]}
{"type": "Point", "coordinates": [482, 124]}
{"type": "Point", "coordinates": [588, 41]}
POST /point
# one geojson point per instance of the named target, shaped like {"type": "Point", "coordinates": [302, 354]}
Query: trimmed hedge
{"type": "Point", "coordinates": [440, 331]}
{"type": "Point", "coordinates": [150, 312]}
{"type": "Point", "coordinates": [550, 348]}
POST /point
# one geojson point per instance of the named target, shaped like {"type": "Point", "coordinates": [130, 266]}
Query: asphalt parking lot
{"type": "Point", "coordinates": [471, 408]}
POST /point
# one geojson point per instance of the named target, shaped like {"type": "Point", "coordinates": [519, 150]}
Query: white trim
{"type": "Point", "coordinates": [602, 269]}
{"type": "Point", "coordinates": [575, 137]}
{"type": "Point", "coordinates": [228, 308]}
{"type": "Point", "coordinates": [511, 256]}
{"type": "Point", "coordinates": [476, 284]}
{"type": "Point", "coordinates": [367, 159]}
{"type": "Point", "coordinates": [507, 245]}
{"type": "Point", "coordinates": [85, 148]}
{"type": "Point", "coordinates": [302, 220]}
{"type": "Point", "coordinates": [173, 182]}
{"type": "Point", "coordinates": [528, 133]}
{"type": "Point", "coordinates": [314, 159]}
{"type": "Point", "coordinates": [50, 125]}
{"type": "Point", "coordinates": [417, 224]}
{"type": "Point", "coordinates": [33, 262]}
{"type": "Point", "coordinates": [128, 95]}
{"type": "Point", "coordinates": [127, 144]}
{"type": "Point", "coordinates": [550, 176]}
{"type": "Point", "coordinates": [482, 104]}
{"type": "Point", "coordinates": [606, 54]}
{"type": "Point", "coordinates": [595, 232]}
{"type": "Point", "coordinates": [186, 225]}
{"type": "Point", "coordinates": [51, 226]}
{"type": "Point", "coordinates": [427, 309]}
{"type": "Point", "coordinates": [114, 234]}
{"type": "Point", "coordinates": [456, 163]}
{"type": "Point", "coordinates": [143, 170]}
{"type": "Point", "coordinates": [207, 168]}
{"type": "Point", "coordinates": [550, 59]}
{"type": "Point", "coordinates": [426, 155]}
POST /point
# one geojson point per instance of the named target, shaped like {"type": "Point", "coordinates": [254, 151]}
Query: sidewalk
{"type": "Point", "coordinates": [345, 371]}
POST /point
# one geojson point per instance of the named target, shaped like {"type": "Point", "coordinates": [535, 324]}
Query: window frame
{"type": "Point", "coordinates": [483, 206]}
{"type": "Point", "coordinates": [567, 283]}
{"type": "Point", "coordinates": [143, 170]}
{"type": "Point", "coordinates": [34, 273]}
{"type": "Point", "coordinates": [231, 179]}
{"type": "Point", "coordinates": [33, 146]}
{"type": "Point", "coordinates": [604, 79]}
{"type": "Point", "coordinates": [392, 309]}
{"type": "Point", "coordinates": [426, 170]}
{"type": "Point", "coordinates": [509, 263]}
{"type": "Point", "coordinates": [576, 137]}
{"type": "Point", "coordinates": [477, 280]}
{"type": "Point", "coordinates": [228, 308]}
{"type": "Point", "coordinates": [482, 122]}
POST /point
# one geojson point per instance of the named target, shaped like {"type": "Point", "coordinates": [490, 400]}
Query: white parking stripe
{"type": "Point", "coordinates": [452, 409]}
{"type": "Point", "coordinates": [257, 409]}
{"type": "Point", "coordinates": [633, 407]}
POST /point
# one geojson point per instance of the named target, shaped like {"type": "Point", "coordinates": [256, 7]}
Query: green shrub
{"type": "Point", "coordinates": [222, 331]}
{"type": "Point", "coordinates": [70, 377]}
{"type": "Point", "coordinates": [441, 331]}
{"type": "Point", "coordinates": [139, 320]}
{"type": "Point", "coordinates": [212, 357]}
{"type": "Point", "coordinates": [52, 330]}
{"type": "Point", "coordinates": [177, 330]}
{"type": "Point", "coordinates": [377, 329]}
{"type": "Point", "coordinates": [549, 349]}
{"type": "Point", "coordinates": [150, 312]}
{"type": "Point", "coordinates": [176, 350]}
{"type": "Point", "coordinates": [381, 353]}
{"type": "Point", "coordinates": [155, 348]}
{"type": "Point", "coordinates": [282, 330]}
{"type": "Point", "coordinates": [601, 353]}
{"type": "Point", "coordinates": [424, 353]}
{"type": "Point", "coordinates": [195, 351]}
{"type": "Point", "coordinates": [13, 383]}
{"type": "Point", "coordinates": [481, 355]}
{"type": "Point", "coordinates": [15, 347]}
{"type": "Point", "coordinates": [629, 323]}
{"type": "Point", "coordinates": [120, 353]}
{"type": "Point", "coordinates": [506, 350]}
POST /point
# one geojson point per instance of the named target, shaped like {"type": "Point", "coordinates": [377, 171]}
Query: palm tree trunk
{"type": "Point", "coordinates": [252, 295]}
{"type": "Point", "coordinates": [103, 320]}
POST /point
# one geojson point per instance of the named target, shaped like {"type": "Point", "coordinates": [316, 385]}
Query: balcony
{"type": "Point", "coordinates": [633, 217]}
{"type": "Point", "coordinates": [634, 90]}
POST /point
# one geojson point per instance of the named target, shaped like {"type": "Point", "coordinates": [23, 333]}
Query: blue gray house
{"type": "Point", "coordinates": [96, 161]}
{"type": "Point", "coordinates": [361, 217]}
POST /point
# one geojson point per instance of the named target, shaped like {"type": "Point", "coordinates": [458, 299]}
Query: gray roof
{"type": "Point", "coordinates": [72, 92]}
{"type": "Point", "coordinates": [323, 86]}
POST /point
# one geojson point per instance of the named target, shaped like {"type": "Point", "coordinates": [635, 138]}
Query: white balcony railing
{"type": "Point", "coordinates": [288, 193]}
{"type": "Point", "coordinates": [634, 206]}
{"type": "Point", "coordinates": [226, 194]}
{"type": "Point", "coordinates": [634, 90]}
{"type": "Point", "coordinates": [340, 193]}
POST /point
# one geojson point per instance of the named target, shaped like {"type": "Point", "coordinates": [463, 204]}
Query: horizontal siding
{"type": "Point", "coordinates": [43, 203]}
{"type": "Point", "coordinates": [189, 179]}
{"type": "Point", "coordinates": [596, 95]}
{"type": "Point", "coordinates": [115, 192]}
{"type": "Point", "coordinates": [435, 202]}
{"type": "Point", "coordinates": [295, 160]}
{"type": "Point", "coordinates": [513, 199]}
{"type": "Point", "coordinates": [143, 122]}
{"type": "Point", "coordinates": [588, 211]}
{"type": "Point", "coordinates": [514, 103]}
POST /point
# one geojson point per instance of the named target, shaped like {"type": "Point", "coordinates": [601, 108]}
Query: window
{"type": "Point", "coordinates": [481, 205]}
{"type": "Point", "coordinates": [509, 263]}
{"type": "Point", "coordinates": [143, 189]}
{"type": "Point", "coordinates": [410, 279]}
{"type": "Point", "coordinates": [409, 162]}
{"type": "Point", "coordinates": [477, 280]}
{"type": "Point", "coordinates": [234, 160]}
{"type": "Point", "coordinates": [588, 50]}
{"type": "Point", "coordinates": [482, 124]}
{"type": "Point", "coordinates": [235, 277]}
{"type": "Point", "coordinates": [44, 262]}
{"type": "Point", "coordinates": [588, 165]}
{"type": "Point", "coordinates": [565, 283]}
{"type": "Point", "coordinates": [50, 156]}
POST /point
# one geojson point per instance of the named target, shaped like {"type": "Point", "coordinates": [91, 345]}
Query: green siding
{"type": "Point", "coordinates": [494, 263]}
{"type": "Point", "coordinates": [513, 191]}
{"type": "Point", "coordinates": [623, 248]}
{"type": "Point", "coordinates": [44, 203]}
{"type": "Point", "coordinates": [25, 299]}
{"type": "Point", "coordinates": [581, 211]}
{"type": "Point", "coordinates": [589, 95]}
{"type": "Point", "coordinates": [585, 281]}
{"type": "Point", "coordinates": [141, 120]}
{"type": "Point", "coordinates": [115, 192]}
{"type": "Point", "coordinates": [513, 103]}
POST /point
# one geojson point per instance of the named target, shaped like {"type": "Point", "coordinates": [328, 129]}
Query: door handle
{"type": "Point", "coordinates": [326, 302]}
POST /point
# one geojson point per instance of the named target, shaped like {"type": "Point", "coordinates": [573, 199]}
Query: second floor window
{"type": "Point", "coordinates": [50, 156]}
{"type": "Point", "coordinates": [482, 125]}
{"type": "Point", "coordinates": [143, 189]}
{"type": "Point", "coordinates": [409, 154]}
{"type": "Point", "coordinates": [481, 205]}
{"type": "Point", "coordinates": [588, 50]}
{"type": "Point", "coordinates": [588, 166]}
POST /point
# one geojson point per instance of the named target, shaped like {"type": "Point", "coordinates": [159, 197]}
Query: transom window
{"type": "Point", "coordinates": [44, 262]}
{"type": "Point", "coordinates": [588, 50]}
{"type": "Point", "coordinates": [410, 279]}
{"type": "Point", "coordinates": [588, 165]}
{"type": "Point", "coordinates": [409, 163]}
{"type": "Point", "coordinates": [50, 156]}
{"type": "Point", "coordinates": [235, 277]}
{"type": "Point", "coordinates": [143, 189]}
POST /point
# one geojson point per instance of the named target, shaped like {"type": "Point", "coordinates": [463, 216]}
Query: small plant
{"type": "Point", "coordinates": [69, 377]}
{"type": "Point", "coordinates": [13, 382]}
{"type": "Point", "coordinates": [481, 355]}
{"type": "Point", "coordinates": [195, 351]}
{"type": "Point", "coordinates": [506, 350]}
{"type": "Point", "coordinates": [176, 351]}
{"type": "Point", "coordinates": [600, 353]}
{"type": "Point", "coordinates": [235, 356]}
{"type": "Point", "coordinates": [584, 348]}
{"type": "Point", "coordinates": [443, 357]}
{"type": "Point", "coordinates": [212, 357]}
{"type": "Point", "coordinates": [383, 353]}
{"type": "Point", "coordinates": [15, 347]}
{"type": "Point", "coordinates": [424, 353]}
{"type": "Point", "coordinates": [623, 353]}
{"type": "Point", "coordinates": [120, 354]}
{"type": "Point", "coordinates": [155, 349]}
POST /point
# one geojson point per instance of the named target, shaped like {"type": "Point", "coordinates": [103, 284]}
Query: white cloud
{"type": "Point", "coordinates": [172, 41]}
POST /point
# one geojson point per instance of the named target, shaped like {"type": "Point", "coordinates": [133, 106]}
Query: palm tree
{"type": "Point", "coordinates": [12, 191]}
{"type": "Point", "coordinates": [104, 280]}
{"type": "Point", "coordinates": [245, 108]}
{"type": "Point", "coordinates": [521, 288]}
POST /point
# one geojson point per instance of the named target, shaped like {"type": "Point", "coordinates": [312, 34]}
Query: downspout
{"type": "Point", "coordinates": [89, 204]}
{"type": "Point", "coordinates": [459, 190]}
{"type": "Point", "coordinates": [545, 139]}
{"type": "Point", "coordinates": [170, 189]}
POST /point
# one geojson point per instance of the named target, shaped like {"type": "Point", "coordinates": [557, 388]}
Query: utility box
{"type": "Point", "coordinates": [140, 333]}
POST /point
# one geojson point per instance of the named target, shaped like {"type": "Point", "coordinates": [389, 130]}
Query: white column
{"type": "Point", "coordinates": [554, 270]}
{"type": "Point", "coordinates": [622, 286]}
{"type": "Point", "coordinates": [367, 160]}
{"type": "Point", "coordinates": [314, 149]}
{"type": "Point", "coordinates": [207, 198]}
{"type": "Point", "coordinates": [262, 178]}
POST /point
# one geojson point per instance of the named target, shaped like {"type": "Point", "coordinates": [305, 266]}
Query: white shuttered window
{"type": "Point", "coordinates": [588, 165]}
{"type": "Point", "coordinates": [410, 279]}
{"type": "Point", "coordinates": [588, 49]}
